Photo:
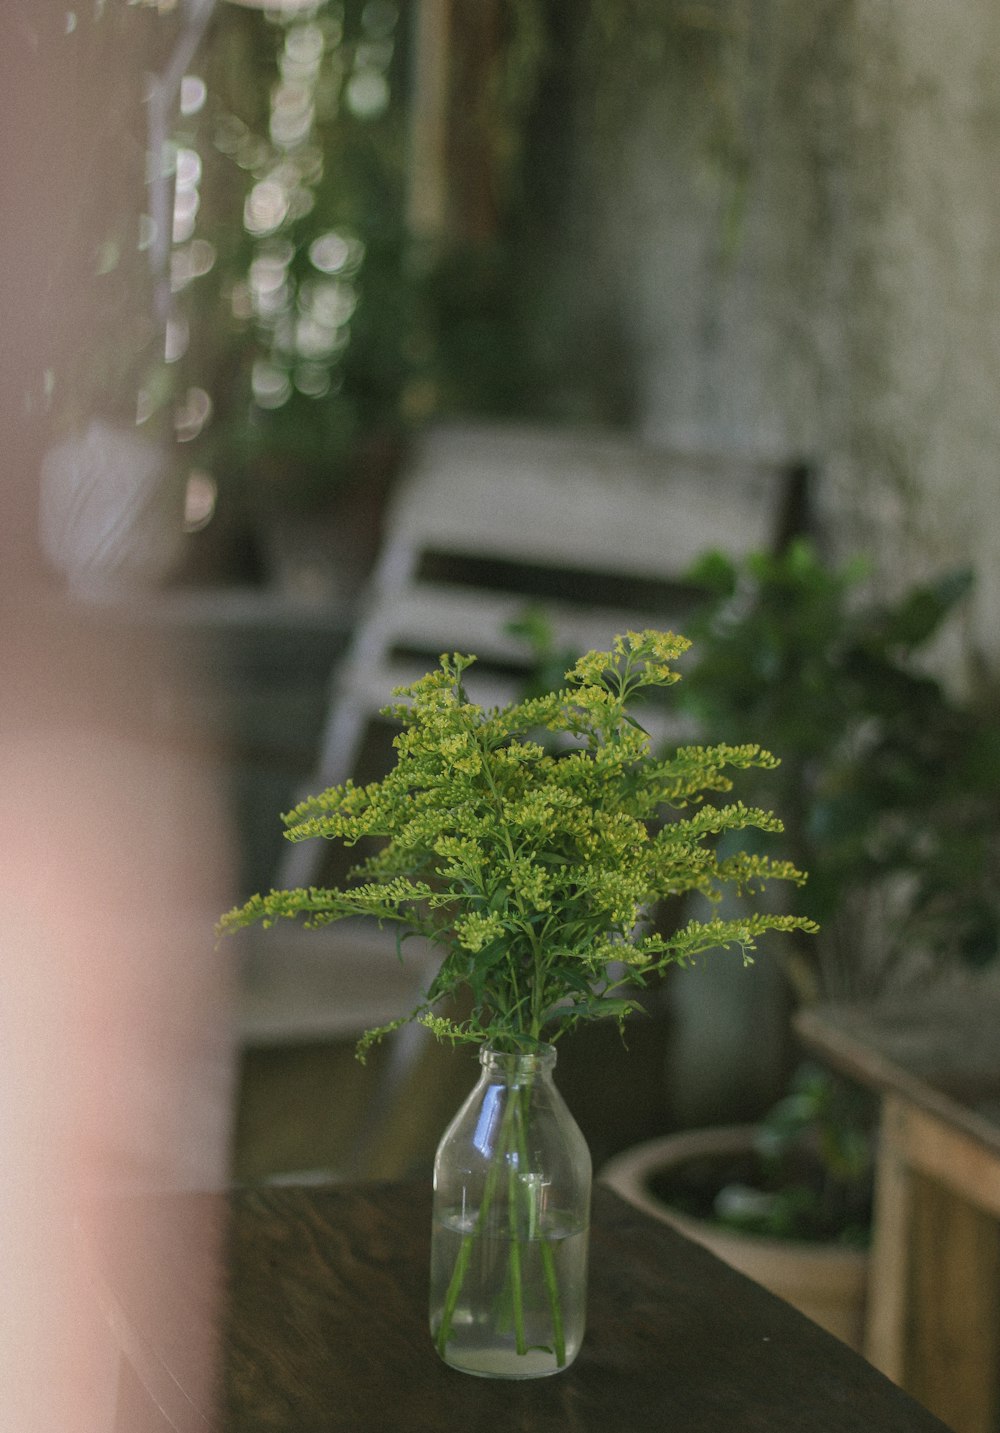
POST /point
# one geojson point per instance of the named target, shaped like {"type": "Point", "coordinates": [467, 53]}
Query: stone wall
{"type": "Point", "coordinates": [789, 214]}
{"type": "Point", "coordinates": [935, 237]}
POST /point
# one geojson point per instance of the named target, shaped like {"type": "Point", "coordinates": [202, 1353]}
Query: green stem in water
{"type": "Point", "coordinates": [464, 1255]}
{"type": "Point", "coordinates": [555, 1302]}
{"type": "Point", "coordinates": [455, 1288]}
{"type": "Point", "coordinates": [545, 1249]}
{"type": "Point", "coordinates": [514, 1258]}
{"type": "Point", "coordinates": [512, 1142]}
{"type": "Point", "coordinates": [468, 1241]}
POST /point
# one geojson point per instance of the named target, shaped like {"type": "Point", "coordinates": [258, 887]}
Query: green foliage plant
{"type": "Point", "coordinates": [530, 843]}
{"type": "Point", "coordinates": [889, 783]}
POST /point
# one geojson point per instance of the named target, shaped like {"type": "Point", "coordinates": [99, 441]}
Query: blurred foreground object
{"type": "Point", "coordinates": [112, 1011]}
{"type": "Point", "coordinates": [113, 1014]}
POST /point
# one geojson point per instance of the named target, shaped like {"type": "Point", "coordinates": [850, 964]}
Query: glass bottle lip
{"type": "Point", "coordinates": [541, 1057]}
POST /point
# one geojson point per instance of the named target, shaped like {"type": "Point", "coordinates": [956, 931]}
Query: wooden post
{"type": "Point", "coordinates": [428, 179]}
{"type": "Point", "coordinates": [934, 1302]}
{"type": "Point", "coordinates": [888, 1297]}
{"type": "Point", "coordinates": [451, 190]}
{"type": "Point", "coordinates": [954, 1345]}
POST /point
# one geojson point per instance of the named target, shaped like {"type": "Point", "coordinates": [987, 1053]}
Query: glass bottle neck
{"type": "Point", "coordinates": [517, 1065]}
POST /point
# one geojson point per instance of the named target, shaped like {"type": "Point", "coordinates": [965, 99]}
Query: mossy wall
{"type": "Point", "coordinates": [789, 213]}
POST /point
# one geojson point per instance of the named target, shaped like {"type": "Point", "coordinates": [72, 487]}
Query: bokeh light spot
{"type": "Point", "coordinates": [312, 379]}
{"type": "Point", "coordinates": [194, 93]}
{"type": "Point", "coordinates": [367, 94]}
{"type": "Point", "coordinates": [266, 207]}
{"type": "Point", "coordinates": [335, 253]}
{"type": "Point", "coordinates": [271, 385]}
{"type": "Point", "coordinates": [177, 338]}
{"type": "Point", "coordinates": [192, 414]}
{"type": "Point", "coordinates": [200, 497]}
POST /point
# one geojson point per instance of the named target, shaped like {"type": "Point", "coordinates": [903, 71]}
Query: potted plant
{"type": "Point", "coordinates": [786, 1200]}
{"type": "Point", "coordinates": [530, 844]}
{"type": "Point", "coordinates": [890, 791]}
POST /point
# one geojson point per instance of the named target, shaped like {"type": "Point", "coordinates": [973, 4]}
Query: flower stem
{"type": "Point", "coordinates": [555, 1302]}
{"type": "Point", "coordinates": [464, 1255]}
{"type": "Point", "coordinates": [522, 1226]}
{"type": "Point", "coordinates": [514, 1259]}
{"type": "Point", "coordinates": [455, 1288]}
{"type": "Point", "coordinates": [544, 1245]}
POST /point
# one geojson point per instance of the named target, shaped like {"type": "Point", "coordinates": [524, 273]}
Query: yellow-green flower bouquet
{"type": "Point", "coordinates": [532, 844]}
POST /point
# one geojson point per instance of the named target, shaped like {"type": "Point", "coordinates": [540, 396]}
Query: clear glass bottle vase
{"type": "Point", "coordinates": [512, 1181]}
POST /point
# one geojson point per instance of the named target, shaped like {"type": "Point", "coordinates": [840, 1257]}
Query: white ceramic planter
{"type": "Point", "coordinates": [824, 1281]}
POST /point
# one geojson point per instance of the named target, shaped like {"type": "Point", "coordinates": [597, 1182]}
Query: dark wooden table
{"type": "Point", "coordinates": [933, 1318]}
{"type": "Point", "coordinates": [325, 1331]}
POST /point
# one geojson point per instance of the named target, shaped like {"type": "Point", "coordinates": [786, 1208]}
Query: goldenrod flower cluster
{"type": "Point", "coordinates": [533, 843]}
